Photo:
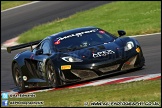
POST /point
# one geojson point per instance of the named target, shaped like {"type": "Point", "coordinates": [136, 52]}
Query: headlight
{"type": "Point", "coordinates": [71, 59]}
{"type": "Point", "coordinates": [129, 46]}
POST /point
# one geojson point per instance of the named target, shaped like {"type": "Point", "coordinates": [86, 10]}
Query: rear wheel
{"type": "Point", "coordinates": [52, 76]}
{"type": "Point", "coordinates": [18, 78]}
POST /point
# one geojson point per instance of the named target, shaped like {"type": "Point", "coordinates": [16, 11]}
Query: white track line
{"type": "Point", "coordinates": [143, 77]}
{"type": "Point", "coordinates": [20, 6]}
{"type": "Point", "coordinates": [3, 49]}
{"type": "Point", "coordinates": [145, 35]}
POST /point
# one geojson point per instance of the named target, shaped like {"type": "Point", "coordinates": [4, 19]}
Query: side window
{"type": "Point", "coordinates": [46, 47]}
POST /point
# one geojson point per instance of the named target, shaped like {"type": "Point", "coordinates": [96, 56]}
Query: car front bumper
{"type": "Point", "coordinates": [80, 72]}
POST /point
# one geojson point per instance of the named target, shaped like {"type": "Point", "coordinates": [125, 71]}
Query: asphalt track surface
{"type": "Point", "coordinates": [16, 21]}
{"type": "Point", "coordinates": [151, 45]}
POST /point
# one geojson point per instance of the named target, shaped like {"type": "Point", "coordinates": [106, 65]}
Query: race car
{"type": "Point", "coordinates": [74, 55]}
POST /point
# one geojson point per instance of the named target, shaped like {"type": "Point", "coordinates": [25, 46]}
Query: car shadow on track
{"type": "Point", "coordinates": [114, 74]}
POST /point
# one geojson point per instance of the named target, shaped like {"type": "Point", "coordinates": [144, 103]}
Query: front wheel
{"type": "Point", "coordinates": [18, 78]}
{"type": "Point", "coordinates": [52, 76]}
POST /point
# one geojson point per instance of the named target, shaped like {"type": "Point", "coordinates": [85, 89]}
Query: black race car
{"type": "Point", "coordinates": [74, 55]}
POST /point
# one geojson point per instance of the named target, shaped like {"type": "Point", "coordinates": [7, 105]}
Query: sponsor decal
{"type": "Point", "coordinates": [103, 53]}
{"type": "Point", "coordinates": [75, 35]}
{"type": "Point", "coordinates": [56, 42]}
{"type": "Point", "coordinates": [32, 56]}
{"type": "Point", "coordinates": [17, 55]}
{"type": "Point", "coordinates": [65, 67]}
{"type": "Point", "coordinates": [101, 31]}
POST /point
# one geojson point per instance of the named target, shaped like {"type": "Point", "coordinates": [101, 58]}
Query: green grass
{"type": "Point", "coordinates": [135, 17]}
{"type": "Point", "coordinates": [10, 4]}
{"type": "Point", "coordinates": [147, 92]}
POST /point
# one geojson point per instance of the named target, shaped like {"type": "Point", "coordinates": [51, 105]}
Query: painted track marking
{"type": "Point", "coordinates": [96, 83]}
{"type": "Point", "coordinates": [20, 6]}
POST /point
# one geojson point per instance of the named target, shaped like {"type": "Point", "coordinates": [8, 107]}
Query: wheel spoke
{"type": "Point", "coordinates": [18, 77]}
{"type": "Point", "coordinates": [51, 75]}
{"type": "Point", "coordinates": [20, 81]}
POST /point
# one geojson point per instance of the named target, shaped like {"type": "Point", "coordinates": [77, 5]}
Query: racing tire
{"type": "Point", "coordinates": [51, 75]}
{"type": "Point", "coordinates": [18, 78]}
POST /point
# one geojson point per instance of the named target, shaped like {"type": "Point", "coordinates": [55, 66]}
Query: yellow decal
{"type": "Point", "coordinates": [64, 67]}
{"type": "Point", "coordinates": [138, 49]}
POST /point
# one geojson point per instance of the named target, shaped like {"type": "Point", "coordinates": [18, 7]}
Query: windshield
{"type": "Point", "coordinates": [83, 39]}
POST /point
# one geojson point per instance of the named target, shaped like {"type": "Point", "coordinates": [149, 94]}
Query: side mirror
{"type": "Point", "coordinates": [38, 52]}
{"type": "Point", "coordinates": [121, 33]}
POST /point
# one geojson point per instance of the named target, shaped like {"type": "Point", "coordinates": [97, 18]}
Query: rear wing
{"type": "Point", "coordinates": [9, 49]}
